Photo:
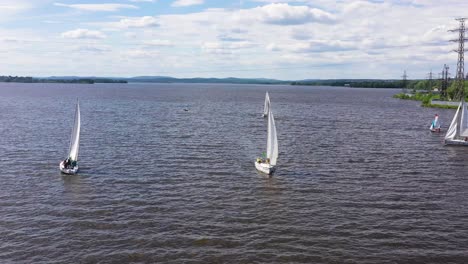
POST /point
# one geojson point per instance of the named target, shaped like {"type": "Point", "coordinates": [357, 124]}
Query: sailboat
{"type": "Point", "coordinates": [435, 124]}
{"type": "Point", "coordinates": [457, 134]}
{"type": "Point", "coordinates": [268, 164]}
{"type": "Point", "coordinates": [70, 164]}
{"type": "Point", "coordinates": [266, 108]}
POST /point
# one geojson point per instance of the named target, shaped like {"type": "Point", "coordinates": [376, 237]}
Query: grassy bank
{"type": "Point", "coordinates": [425, 99]}
{"type": "Point", "coordinates": [440, 106]}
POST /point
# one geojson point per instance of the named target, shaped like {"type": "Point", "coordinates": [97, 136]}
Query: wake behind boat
{"type": "Point", "coordinates": [70, 164]}
{"type": "Point", "coordinates": [457, 134]}
{"type": "Point", "coordinates": [268, 164]}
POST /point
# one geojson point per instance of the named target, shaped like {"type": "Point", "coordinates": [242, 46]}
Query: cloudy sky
{"type": "Point", "coordinates": [289, 39]}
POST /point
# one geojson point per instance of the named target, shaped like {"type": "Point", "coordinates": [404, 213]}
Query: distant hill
{"type": "Point", "coordinates": [166, 79]}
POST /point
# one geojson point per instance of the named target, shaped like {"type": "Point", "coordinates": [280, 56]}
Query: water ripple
{"type": "Point", "coordinates": [359, 179]}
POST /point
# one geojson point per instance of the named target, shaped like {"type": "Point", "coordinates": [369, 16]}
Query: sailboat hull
{"type": "Point", "coordinates": [69, 171]}
{"type": "Point", "coordinates": [265, 168]}
{"type": "Point", "coordinates": [457, 142]}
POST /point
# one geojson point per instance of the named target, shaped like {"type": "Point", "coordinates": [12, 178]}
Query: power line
{"type": "Point", "coordinates": [460, 82]}
{"type": "Point", "coordinates": [444, 84]}
{"type": "Point", "coordinates": [430, 75]}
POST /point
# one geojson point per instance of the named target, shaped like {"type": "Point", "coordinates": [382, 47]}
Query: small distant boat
{"type": "Point", "coordinates": [457, 134]}
{"type": "Point", "coordinates": [435, 124]}
{"type": "Point", "coordinates": [266, 108]}
{"type": "Point", "coordinates": [70, 164]}
{"type": "Point", "coordinates": [268, 165]}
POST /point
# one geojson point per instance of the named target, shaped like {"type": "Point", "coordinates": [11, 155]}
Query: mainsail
{"type": "Point", "coordinates": [75, 136]}
{"type": "Point", "coordinates": [464, 121]}
{"type": "Point", "coordinates": [459, 126]}
{"type": "Point", "coordinates": [272, 140]}
{"type": "Point", "coordinates": [435, 123]}
{"type": "Point", "coordinates": [266, 108]}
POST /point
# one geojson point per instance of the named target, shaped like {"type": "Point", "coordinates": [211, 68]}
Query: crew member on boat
{"type": "Point", "coordinates": [263, 160]}
{"type": "Point", "coordinates": [66, 163]}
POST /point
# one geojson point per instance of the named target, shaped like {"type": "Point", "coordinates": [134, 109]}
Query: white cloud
{"type": "Point", "coordinates": [280, 1]}
{"type": "Point", "coordinates": [13, 7]}
{"type": "Point", "coordinates": [144, 23]}
{"type": "Point", "coordinates": [180, 3]}
{"type": "Point", "coordinates": [215, 48]}
{"type": "Point", "coordinates": [137, 22]}
{"type": "Point", "coordinates": [81, 33]}
{"type": "Point", "coordinates": [285, 14]}
{"type": "Point", "coordinates": [92, 49]}
{"type": "Point", "coordinates": [140, 1]}
{"type": "Point", "coordinates": [225, 47]}
{"type": "Point", "coordinates": [158, 43]}
{"type": "Point", "coordinates": [389, 35]}
{"type": "Point", "coordinates": [98, 7]}
{"type": "Point", "coordinates": [141, 54]}
{"type": "Point", "coordinates": [272, 47]}
{"type": "Point", "coordinates": [130, 35]}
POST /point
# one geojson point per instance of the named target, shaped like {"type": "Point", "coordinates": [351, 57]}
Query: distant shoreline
{"type": "Point", "coordinates": [27, 79]}
{"type": "Point", "coordinates": [356, 83]}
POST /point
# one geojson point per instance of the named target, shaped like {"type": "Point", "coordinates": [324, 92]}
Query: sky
{"type": "Point", "coordinates": [288, 39]}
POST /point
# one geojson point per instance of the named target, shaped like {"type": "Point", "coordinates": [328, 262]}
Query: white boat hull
{"type": "Point", "coordinates": [265, 168]}
{"type": "Point", "coordinates": [69, 171]}
{"type": "Point", "coordinates": [458, 142]}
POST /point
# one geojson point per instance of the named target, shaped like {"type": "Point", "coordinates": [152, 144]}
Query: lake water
{"type": "Point", "coordinates": [360, 178]}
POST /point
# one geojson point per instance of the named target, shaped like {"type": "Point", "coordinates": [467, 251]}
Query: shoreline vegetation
{"type": "Point", "coordinates": [27, 79]}
{"type": "Point", "coordinates": [358, 83]}
{"type": "Point", "coordinates": [425, 98]}
{"type": "Point", "coordinates": [416, 90]}
{"type": "Point", "coordinates": [428, 93]}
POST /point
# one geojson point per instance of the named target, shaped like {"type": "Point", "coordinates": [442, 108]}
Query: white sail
{"type": "Point", "coordinates": [463, 120]}
{"type": "Point", "coordinates": [75, 136]}
{"type": "Point", "coordinates": [452, 131]}
{"type": "Point", "coordinates": [272, 140]}
{"type": "Point", "coordinates": [266, 108]}
{"type": "Point", "coordinates": [435, 124]}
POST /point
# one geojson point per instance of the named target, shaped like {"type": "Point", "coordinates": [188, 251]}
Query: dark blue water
{"type": "Point", "coordinates": [360, 179]}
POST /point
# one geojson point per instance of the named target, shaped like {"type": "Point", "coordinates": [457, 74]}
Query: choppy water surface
{"type": "Point", "coordinates": [359, 180]}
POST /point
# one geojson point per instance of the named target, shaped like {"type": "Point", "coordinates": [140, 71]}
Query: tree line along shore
{"type": "Point", "coordinates": [421, 90]}
{"type": "Point", "coordinates": [364, 83]}
{"type": "Point", "coordinates": [430, 92]}
{"type": "Point", "coordinates": [26, 79]}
